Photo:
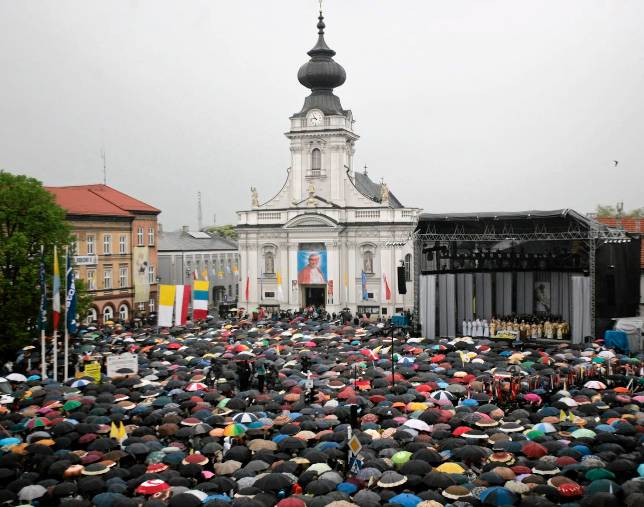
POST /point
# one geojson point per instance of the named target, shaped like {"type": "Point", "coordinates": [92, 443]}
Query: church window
{"type": "Point", "coordinates": [408, 268]}
{"type": "Point", "coordinates": [316, 161]}
{"type": "Point", "coordinates": [367, 262]}
{"type": "Point", "coordinates": [269, 263]}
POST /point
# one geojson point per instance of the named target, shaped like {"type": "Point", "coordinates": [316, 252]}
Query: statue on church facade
{"type": "Point", "coordinates": [311, 200]}
{"type": "Point", "coordinates": [254, 197]}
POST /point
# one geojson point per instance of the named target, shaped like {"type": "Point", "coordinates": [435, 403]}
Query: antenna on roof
{"type": "Point", "coordinates": [104, 166]}
{"type": "Point", "coordinates": [199, 212]}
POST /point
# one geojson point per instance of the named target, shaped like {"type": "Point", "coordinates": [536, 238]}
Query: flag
{"type": "Point", "coordinates": [195, 275]}
{"type": "Point", "coordinates": [114, 431]}
{"type": "Point", "coordinates": [166, 305]}
{"type": "Point", "coordinates": [571, 417]}
{"type": "Point", "coordinates": [204, 274]}
{"type": "Point", "coordinates": [387, 289]}
{"type": "Point", "coordinates": [562, 416]}
{"type": "Point", "coordinates": [247, 292]}
{"type": "Point", "coordinates": [182, 300]}
{"type": "Point", "coordinates": [280, 292]}
{"type": "Point", "coordinates": [346, 285]}
{"type": "Point", "coordinates": [42, 314]}
{"type": "Point", "coordinates": [220, 274]}
{"type": "Point", "coordinates": [56, 291]}
{"type": "Point", "coordinates": [365, 294]}
{"type": "Point", "coordinates": [200, 300]}
{"type": "Point", "coordinates": [70, 298]}
{"type": "Point", "coordinates": [122, 434]}
{"type": "Point", "coordinates": [235, 269]}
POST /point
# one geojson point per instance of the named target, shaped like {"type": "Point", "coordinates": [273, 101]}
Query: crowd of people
{"type": "Point", "coordinates": [309, 409]}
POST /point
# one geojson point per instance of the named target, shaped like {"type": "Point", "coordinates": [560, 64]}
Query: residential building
{"type": "Point", "coordinates": [183, 253]}
{"type": "Point", "coordinates": [118, 264]}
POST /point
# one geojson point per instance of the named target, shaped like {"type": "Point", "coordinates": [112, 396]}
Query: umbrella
{"type": "Point", "coordinates": [152, 486]}
{"type": "Point", "coordinates": [406, 500]}
{"type": "Point", "coordinates": [234, 430]}
{"type": "Point", "coordinates": [497, 495]}
{"type": "Point", "coordinates": [273, 482]}
{"type": "Point", "coordinates": [30, 493]}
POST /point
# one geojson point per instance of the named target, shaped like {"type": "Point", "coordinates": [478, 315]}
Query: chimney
{"type": "Point", "coordinates": [185, 229]}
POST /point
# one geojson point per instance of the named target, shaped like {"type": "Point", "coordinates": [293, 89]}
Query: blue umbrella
{"type": "Point", "coordinates": [347, 487]}
{"type": "Point", "coordinates": [498, 496]}
{"type": "Point", "coordinates": [9, 441]}
{"type": "Point", "coordinates": [406, 500]}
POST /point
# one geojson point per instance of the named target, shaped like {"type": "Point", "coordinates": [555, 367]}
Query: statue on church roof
{"type": "Point", "coordinates": [384, 193]}
{"type": "Point", "coordinates": [254, 197]}
{"type": "Point", "coordinates": [311, 190]}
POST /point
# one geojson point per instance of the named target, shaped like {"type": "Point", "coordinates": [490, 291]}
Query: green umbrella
{"type": "Point", "coordinates": [71, 405]}
{"type": "Point", "coordinates": [401, 457]}
{"type": "Point", "coordinates": [595, 474]}
{"type": "Point", "coordinates": [603, 486]}
{"type": "Point", "coordinates": [583, 433]}
{"type": "Point", "coordinates": [534, 434]}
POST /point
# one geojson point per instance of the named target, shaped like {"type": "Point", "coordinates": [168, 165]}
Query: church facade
{"type": "Point", "coordinates": [330, 236]}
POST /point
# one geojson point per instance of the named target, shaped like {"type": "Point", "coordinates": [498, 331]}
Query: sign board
{"type": "Point", "coordinates": [355, 464]}
{"type": "Point", "coordinates": [93, 370]}
{"type": "Point", "coordinates": [308, 384]}
{"type": "Point", "coordinates": [355, 445]}
{"type": "Point", "coordinates": [85, 260]}
{"type": "Point", "coordinates": [120, 362]}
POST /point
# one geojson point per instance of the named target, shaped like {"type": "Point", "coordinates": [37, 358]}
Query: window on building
{"type": "Point", "coordinates": [124, 312]}
{"type": "Point", "coordinates": [107, 278]}
{"type": "Point", "coordinates": [316, 160]}
{"type": "Point", "coordinates": [367, 262]}
{"type": "Point", "coordinates": [151, 236]}
{"type": "Point", "coordinates": [269, 295]}
{"type": "Point", "coordinates": [139, 236]}
{"type": "Point", "coordinates": [123, 276]}
{"type": "Point", "coordinates": [383, 310]}
{"type": "Point", "coordinates": [108, 313]}
{"type": "Point", "coordinates": [151, 274]}
{"type": "Point", "coordinates": [74, 245]}
{"type": "Point", "coordinates": [408, 268]}
{"type": "Point", "coordinates": [269, 263]}
{"type": "Point", "coordinates": [122, 244]}
{"type": "Point", "coordinates": [92, 316]}
{"type": "Point", "coordinates": [107, 244]}
{"type": "Point", "coordinates": [151, 306]}
{"type": "Point", "coordinates": [91, 279]}
{"type": "Point", "coordinates": [230, 290]}
{"type": "Point", "coordinates": [89, 240]}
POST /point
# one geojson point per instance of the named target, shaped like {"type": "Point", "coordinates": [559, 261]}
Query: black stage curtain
{"type": "Point", "coordinates": [618, 279]}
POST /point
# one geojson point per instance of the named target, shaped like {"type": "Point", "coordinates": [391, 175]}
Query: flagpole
{"type": "Point", "coordinates": [68, 267]}
{"type": "Point", "coordinates": [43, 325]}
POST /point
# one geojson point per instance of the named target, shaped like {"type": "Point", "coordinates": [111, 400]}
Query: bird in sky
{"type": "Point", "coordinates": [615, 162]}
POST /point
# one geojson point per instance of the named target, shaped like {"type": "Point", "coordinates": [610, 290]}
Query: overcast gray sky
{"type": "Point", "coordinates": [462, 105]}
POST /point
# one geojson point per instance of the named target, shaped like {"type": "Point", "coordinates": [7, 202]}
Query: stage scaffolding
{"type": "Point", "coordinates": [531, 226]}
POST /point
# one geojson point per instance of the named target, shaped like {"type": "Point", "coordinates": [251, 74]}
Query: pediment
{"type": "Point", "coordinates": [308, 220]}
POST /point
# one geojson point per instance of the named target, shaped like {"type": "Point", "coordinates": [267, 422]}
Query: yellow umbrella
{"type": "Point", "coordinates": [413, 406]}
{"type": "Point", "coordinates": [450, 468]}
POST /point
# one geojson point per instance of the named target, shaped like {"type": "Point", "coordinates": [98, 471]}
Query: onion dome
{"type": "Point", "coordinates": [321, 74]}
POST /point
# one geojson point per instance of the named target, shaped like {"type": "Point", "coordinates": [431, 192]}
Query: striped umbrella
{"type": "Point", "coordinates": [37, 422]}
{"type": "Point", "coordinates": [245, 418]}
{"type": "Point", "coordinates": [442, 397]}
{"type": "Point", "coordinates": [234, 430]}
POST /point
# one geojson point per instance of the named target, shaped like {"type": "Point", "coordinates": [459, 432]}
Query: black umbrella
{"type": "Point", "coordinates": [438, 480]}
{"type": "Point", "coordinates": [319, 487]}
{"type": "Point", "coordinates": [273, 482]}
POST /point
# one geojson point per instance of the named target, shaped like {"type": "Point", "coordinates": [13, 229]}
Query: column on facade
{"type": "Point", "coordinates": [282, 269]}
{"type": "Point", "coordinates": [294, 295]}
{"type": "Point", "coordinates": [333, 271]}
{"type": "Point", "coordinates": [353, 272]}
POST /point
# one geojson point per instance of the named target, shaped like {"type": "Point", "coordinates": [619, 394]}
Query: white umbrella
{"type": "Point", "coordinates": [16, 377]}
{"type": "Point", "coordinates": [417, 424]}
{"type": "Point", "coordinates": [30, 493]}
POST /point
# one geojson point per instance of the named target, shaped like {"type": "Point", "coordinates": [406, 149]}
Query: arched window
{"type": "Point", "coordinates": [269, 263]}
{"type": "Point", "coordinates": [108, 313]}
{"type": "Point", "coordinates": [316, 160]}
{"type": "Point", "coordinates": [92, 316]}
{"type": "Point", "coordinates": [408, 268]}
{"type": "Point", "coordinates": [124, 312]}
{"type": "Point", "coordinates": [367, 262]}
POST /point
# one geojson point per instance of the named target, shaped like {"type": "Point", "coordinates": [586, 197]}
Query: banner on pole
{"type": "Point", "coordinates": [93, 370]}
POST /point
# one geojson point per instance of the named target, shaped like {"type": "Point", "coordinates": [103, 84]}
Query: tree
{"type": "Point", "coordinates": [227, 231]}
{"type": "Point", "coordinates": [84, 299]}
{"type": "Point", "coordinates": [29, 219]}
{"type": "Point", "coordinates": [611, 212]}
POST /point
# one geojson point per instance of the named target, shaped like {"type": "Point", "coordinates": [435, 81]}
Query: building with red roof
{"type": "Point", "coordinates": [115, 249]}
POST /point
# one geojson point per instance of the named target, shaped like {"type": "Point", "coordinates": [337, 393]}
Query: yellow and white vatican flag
{"type": "Point", "coordinates": [280, 292]}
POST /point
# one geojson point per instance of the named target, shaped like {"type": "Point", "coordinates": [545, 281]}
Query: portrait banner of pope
{"type": "Point", "coordinates": [311, 266]}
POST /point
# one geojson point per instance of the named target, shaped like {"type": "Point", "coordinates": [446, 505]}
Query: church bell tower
{"type": "Point", "coordinates": [321, 135]}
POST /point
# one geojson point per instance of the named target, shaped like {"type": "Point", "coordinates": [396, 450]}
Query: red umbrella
{"type": "Point", "coordinates": [534, 450]}
{"type": "Point", "coordinates": [570, 489]}
{"type": "Point", "coordinates": [152, 486]}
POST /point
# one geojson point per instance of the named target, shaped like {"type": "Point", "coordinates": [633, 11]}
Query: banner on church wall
{"type": "Point", "coordinates": [141, 276]}
{"type": "Point", "coordinates": [311, 263]}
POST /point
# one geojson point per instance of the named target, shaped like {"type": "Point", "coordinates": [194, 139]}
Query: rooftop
{"type": "Point", "coordinates": [101, 200]}
{"type": "Point", "coordinates": [185, 241]}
